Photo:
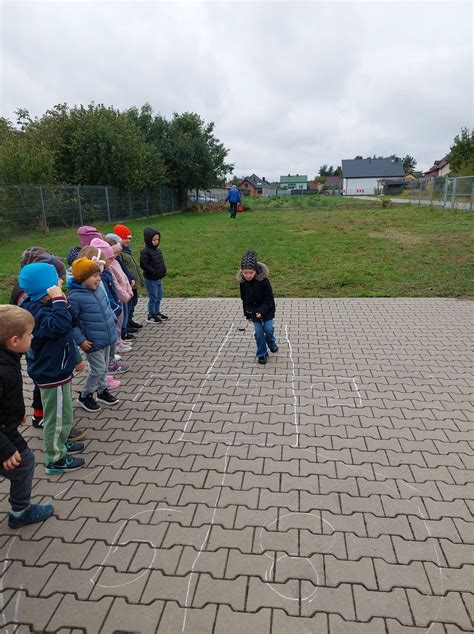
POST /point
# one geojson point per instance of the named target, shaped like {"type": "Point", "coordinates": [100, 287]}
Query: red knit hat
{"type": "Point", "coordinates": [123, 232]}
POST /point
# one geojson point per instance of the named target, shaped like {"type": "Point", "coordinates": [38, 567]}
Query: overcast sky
{"type": "Point", "coordinates": [289, 85]}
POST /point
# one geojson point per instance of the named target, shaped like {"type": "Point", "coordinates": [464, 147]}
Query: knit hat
{"type": "Point", "coordinates": [123, 232]}
{"type": "Point", "coordinates": [249, 260]}
{"type": "Point", "coordinates": [83, 268]}
{"type": "Point", "coordinates": [105, 248]}
{"type": "Point", "coordinates": [36, 278]}
{"type": "Point", "coordinates": [72, 254]}
{"type": "Point", "coordinates": [39, 254]}
{"type": "Point", "coordinates": [86, 234]}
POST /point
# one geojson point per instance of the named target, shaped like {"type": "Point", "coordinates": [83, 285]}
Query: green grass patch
{"type": "Point", "coordinates": [328, 247]}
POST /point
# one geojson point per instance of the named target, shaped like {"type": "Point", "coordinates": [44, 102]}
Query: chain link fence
{"type": "Point", "coordinates": [449, 192]}
{"type": "Point", "coordinates": [32, 208]}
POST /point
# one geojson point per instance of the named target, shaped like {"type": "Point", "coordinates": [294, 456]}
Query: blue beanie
{"type": "Point", "coordinates": [36, 278]}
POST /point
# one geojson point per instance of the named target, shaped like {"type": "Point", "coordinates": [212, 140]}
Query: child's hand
{"type": "Point", "coordinates": [23, 421]}
{"type": "Point", "coordinates": [258, 315]}
{"type": "Point", "coordinates": [85, 345]}
{"type": "Point", "coordinates": [80, 366]}
{"type": "Point", "coordinates": [133, 283]}
{"type": "Point", "coordinates": [12, 462]}
{"type": "Point", "coordinates": [55, 291]}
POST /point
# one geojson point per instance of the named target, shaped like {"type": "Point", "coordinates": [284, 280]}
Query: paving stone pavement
{"type": "Point", "coordinates": [328, 491]}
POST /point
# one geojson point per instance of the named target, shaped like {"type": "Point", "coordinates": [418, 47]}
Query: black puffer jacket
{"type": "Point", "coordinates": [257, 295]}
{"type": "Point", "coordinates": [12, 405]}
{"type": "Point", "coordinates": [151, 258]}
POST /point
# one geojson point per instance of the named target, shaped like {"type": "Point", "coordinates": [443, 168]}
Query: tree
{"type": "Point", "coordinates": [409, 164]}
{"type": "Point", "coordinates": [338, 171]}
{"type": "Point", "coordinates": [24, 156]}
{"type": "Point", "coordinates": [359, 156]}
{"type": "Point", "coordinates": [461, 154]}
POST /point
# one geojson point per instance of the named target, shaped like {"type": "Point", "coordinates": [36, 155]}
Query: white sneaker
{"type": "Point", "coordinates": [124, 348]}
{"type": "Point", "coordinates": [117, 357]}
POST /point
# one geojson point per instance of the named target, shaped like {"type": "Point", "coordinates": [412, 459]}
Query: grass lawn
{"type": "Point", "coordinates": [323, 248]}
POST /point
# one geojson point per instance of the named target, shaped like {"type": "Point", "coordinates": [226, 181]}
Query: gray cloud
{"type": "Point", "coordinates": [289, 85]}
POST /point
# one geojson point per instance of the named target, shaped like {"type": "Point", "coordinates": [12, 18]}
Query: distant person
{"type": "Point", "coordinates": [17, 462]}
{"type": "Point", "coordinates": [258, 303]}
{"type": "Point", "coordinates": [233, 198]}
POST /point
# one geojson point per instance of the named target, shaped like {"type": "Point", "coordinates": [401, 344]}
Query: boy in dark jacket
{"type": "Point", "coordinates": [258, 303]}
{"type": "Point", "coordinates": [94, 332]}
{"type": "Point", "coordinates": [52, 358]}
{"type": "Point", "coordinates": [17, 462]}
{"type": "Point", "coordinates": [153, 266]}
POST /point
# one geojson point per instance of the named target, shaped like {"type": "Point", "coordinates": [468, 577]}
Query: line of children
{"type": "Point", "coordinates": [86, 317]}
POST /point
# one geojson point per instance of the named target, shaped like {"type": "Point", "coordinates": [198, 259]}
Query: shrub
{"type": "Point", "coordinates": [385, 200]}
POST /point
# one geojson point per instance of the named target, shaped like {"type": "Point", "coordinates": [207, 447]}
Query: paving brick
{"type": "Point", "coordinates": [432, 608]}
{"type": "Point", "coordinates": [337, 625]}
{"type": "Point", "coordinates": [450, 579]}
{"type": "Point", "coordinates": [33, 612]}
{"type": "Point", "coordinates": [176, 618]}
{"type": "Point", "coordinates": [230, 621]}
{"type": "Point", "coordinates": [457, 554]}
{"type": "Point", "coordinates": [340, 571]}
{"type": "Point", "coordinates": [378, 547]}
{"type": "Point", "coordinates": [267, 595]}
{"type": "Point", "coordinates": [330, 600]}
{"type": "Point", "coordinates": [391, 576]}
{"type": "Point", "coordinates": [282, 623]}
{"type": "Point", "coordinates": [126, 617]}
{"type": "Point", "coordinates": [370, 603]}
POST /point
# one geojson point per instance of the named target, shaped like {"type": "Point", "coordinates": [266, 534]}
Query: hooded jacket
{"type": "Point", "coordinates": [257, 295]}
{"type": "Point", "coordinates": [95, 320]}
{"type": "Point", "coordinates": [53, 354]}
{"type": "Point", "coordinates": [233, 195]}
{"type": "Point", "coordinates": [12, 405]}
{"type": "Point", "coordinates": [124, 290]}
{"type": "Point", "coordinates": [151, 258]}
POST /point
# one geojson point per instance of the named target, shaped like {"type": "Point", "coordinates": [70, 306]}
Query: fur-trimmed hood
{"type": "Point", "coordinates": [262, 273]}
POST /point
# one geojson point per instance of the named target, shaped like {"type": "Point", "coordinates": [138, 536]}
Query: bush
{"type": "Point", "coordinates": [386, 202]}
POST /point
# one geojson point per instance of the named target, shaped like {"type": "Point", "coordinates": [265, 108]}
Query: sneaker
{"type": "Point", "coordinates": [74, 447]}
{"type": "Point", "coordinates": [38, 422]}
{"type": "Point", "coordinates": [33, 514]}
{"type": "Point", "coordinates": [275, 349]}
{"type": "Point", "coordinates": [76, 434]}
{"type": "Point", "coordinates": [262, 360]}
{"type": "Point", "coordinates": [153, 319]}
{"type": "Point", "coordinates": [162, 316]}
{"type": "Point", "coordinates": [117, 357]}
{"type": "Point", "coordinates": [118, 366]}
{"type": "Point", "coordinates": [132, 329]}
{"type": "Point", "coordinates": [67, 463]}
{"type": "Point", "coordinates": [111, 382]}
{"type": "Point", "coordinates": [123, 348]}
{"type": "Point", "coordinates": [128, 337]}
{"type": "Point", "coordinates": [134, 324]}
{"type": "Point", "coordinates": [89, 403]}
{"type": "Point", "coordinates": [107, 398]}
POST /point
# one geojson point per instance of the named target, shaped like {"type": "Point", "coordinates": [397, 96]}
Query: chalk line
{"type": "Point", "coordinates": [295, 401]}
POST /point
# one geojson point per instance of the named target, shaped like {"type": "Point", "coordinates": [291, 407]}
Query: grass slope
{"type": "Point", "coordinates": [312, 251]}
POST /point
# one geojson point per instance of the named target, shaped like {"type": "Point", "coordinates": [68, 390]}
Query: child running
{"type": "Point", "coordinates": [17, 461]}
{"type": "Point", "coordinates": [258, 303]}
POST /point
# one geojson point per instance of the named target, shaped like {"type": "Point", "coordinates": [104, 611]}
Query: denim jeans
{"type": "Point", "coordinates": [20, 481]}
{"type": "Point", "coordinates": [263, 333]}
{"type": "Point", "coordinates": [155, 295]}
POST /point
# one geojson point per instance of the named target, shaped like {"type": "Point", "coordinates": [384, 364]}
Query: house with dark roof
{"type": "Point", "coordinates": [439, 168]}
{"type": "Point", "coordinates": [255, 186]}
{"type": "Point", "coordinates": [360, 176]}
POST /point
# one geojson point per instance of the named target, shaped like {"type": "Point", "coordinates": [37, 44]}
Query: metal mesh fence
{"type": "Point", "coordinates": [31, 208]}
{"type": "Point", "coordinates": [449, 192]}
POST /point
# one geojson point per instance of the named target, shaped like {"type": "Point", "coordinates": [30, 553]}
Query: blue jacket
{"type": "Point", "coordinates": [95, 320]}
{"type": "Point", "coordinates": [233, 195]}
{"type": "Point", "coordinates": [53, 354]}
{"type": "Point", "coordinates": [111, 290]}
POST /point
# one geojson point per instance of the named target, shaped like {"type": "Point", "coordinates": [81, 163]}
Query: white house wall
{"type": "Point", "coordinates": [359, 186]}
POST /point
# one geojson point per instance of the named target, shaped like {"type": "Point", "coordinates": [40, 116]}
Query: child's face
{"type": "Point", "coordinates": [126, 242]}
{"type": "Point", "coordinates": [155, 240]}
{"type": "Point", "coordinates": [108, 262]}
{"type": "Point", "coordinates": [249, 274]}
{"type": "Point", "coordinates": [21, 344]}
{"type": "Point", "coordinates": [92, 282]}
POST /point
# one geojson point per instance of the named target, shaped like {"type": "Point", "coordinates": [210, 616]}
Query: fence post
{"type": "Point", "coordinates": [129, 206]}
{"type": "Point", "coordinates": [472, 194]}
{"type": "Point", "coordinates": [432, 188]}
{"type": "Point", "coordinates": [79, 206]}
{"type": "Point", "coordinates": [146, 202]}
{"type": "Point", "coordinates": [43, 211]}
{"type": "Point", "coordinates": [107, 203]}
{"type": "Point", "coordinates": [445, 192]}
{"type": "Point", "coordinates": [419, 192]}
{"type": "Point", "coordinates": [453, 194]}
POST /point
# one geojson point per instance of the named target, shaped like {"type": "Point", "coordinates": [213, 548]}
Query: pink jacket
{"type": "Point", "coordinates": [124, 290]}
